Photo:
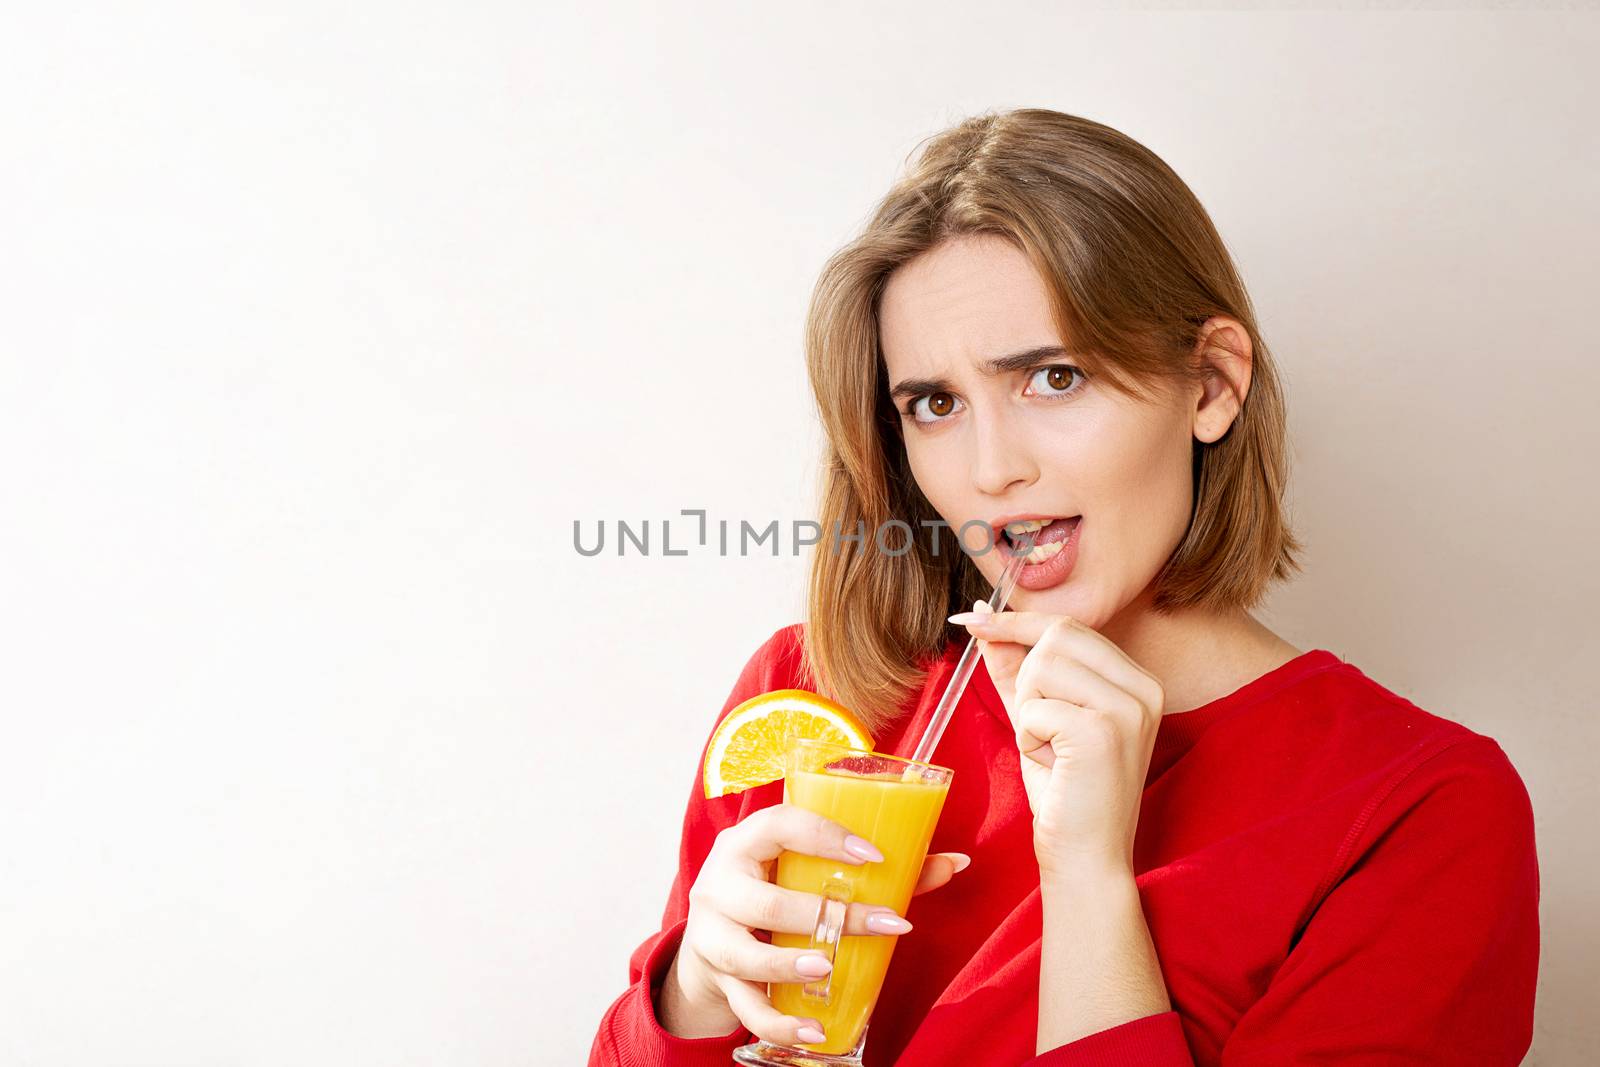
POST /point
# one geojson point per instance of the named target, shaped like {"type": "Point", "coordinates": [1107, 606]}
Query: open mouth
{"type": "Point", "coordinates": [1050, 537]}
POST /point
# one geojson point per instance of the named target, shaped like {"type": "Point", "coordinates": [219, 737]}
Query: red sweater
{"type": "Point", "coordinates": [1330, 875]}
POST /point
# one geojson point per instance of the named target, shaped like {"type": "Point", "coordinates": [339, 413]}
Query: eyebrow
{"type": "Point", "coordinates": [999, 365]}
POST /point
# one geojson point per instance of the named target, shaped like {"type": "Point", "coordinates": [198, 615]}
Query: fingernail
{"type": "Point", "coordinates": [812, 966]}
{"type": "Point", "coordinates": [862, 849]}
{"type": "Point", "coordinates": [968, 618]}
{"type": "Point", "coordinates": [961, 860]}
{"type": "Point", "coordinates": [885, 922]}
{"type": "Point", "coordinates": [810, 1035]}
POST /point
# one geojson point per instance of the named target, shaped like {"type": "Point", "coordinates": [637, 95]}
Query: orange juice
{"type": "Point", "coordinates": [894, 804]}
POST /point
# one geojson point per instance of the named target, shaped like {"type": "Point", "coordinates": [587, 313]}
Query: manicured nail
{"type": "Point", "coordinates": [969, 618]}
{"type": "Point", "coordinates": [961, 860]}
{"type": "Point", "coordinates": [862, 849]}
{"type": "Point", "coordinates": [812, 966]}
{"type": "Point", "coordinates": [884, 922]}
{"type": "Point", "coordinates": [810, 1035]}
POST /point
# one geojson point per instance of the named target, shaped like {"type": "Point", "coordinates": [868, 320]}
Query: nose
{"type": "Point", "coordinates": [1002, 459]}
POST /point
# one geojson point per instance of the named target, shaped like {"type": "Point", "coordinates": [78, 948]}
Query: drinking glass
{"type": "Point", "coordinates": [893, 803]}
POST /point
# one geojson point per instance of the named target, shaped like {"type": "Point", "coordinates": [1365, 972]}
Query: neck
{"type": "Point", "coordinates": [1197, 656]}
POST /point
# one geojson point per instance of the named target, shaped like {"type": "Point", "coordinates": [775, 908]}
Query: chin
{"type": "Point", "coordinates": [1062, 600]}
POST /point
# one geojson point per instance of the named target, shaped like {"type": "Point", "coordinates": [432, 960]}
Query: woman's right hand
{"type": "Point", "coordinates": [718, 979]}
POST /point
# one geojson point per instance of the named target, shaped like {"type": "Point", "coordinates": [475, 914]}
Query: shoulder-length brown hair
{"type": "Point", "coordinates": [1134, 267]}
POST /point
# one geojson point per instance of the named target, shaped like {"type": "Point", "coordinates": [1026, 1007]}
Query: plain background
{"type": "Point", "coordinates": [322, 324]}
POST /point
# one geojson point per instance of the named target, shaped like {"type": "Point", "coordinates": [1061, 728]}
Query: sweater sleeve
{"type": "Point", "coordinates": [630, 1035]}
{"type": "Point", "coordinates": [1424, 949]}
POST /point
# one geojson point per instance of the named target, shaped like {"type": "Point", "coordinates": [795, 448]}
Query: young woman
{"type": "Point", "coordinates": [1173, 837]}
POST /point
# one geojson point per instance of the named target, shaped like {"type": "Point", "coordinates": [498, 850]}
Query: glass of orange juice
{"type": "Point", "coordinates": [892, 802]}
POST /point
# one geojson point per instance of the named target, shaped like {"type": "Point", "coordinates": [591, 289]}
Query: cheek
{"type": "Point", "coordinates": [1096, 460]}
{"type": "Point", "coordinates": [1131, 477]}
{"type": "Point", "coordinates": [942, 479]}
{"type": "Point", "coordinates": [932, 476]}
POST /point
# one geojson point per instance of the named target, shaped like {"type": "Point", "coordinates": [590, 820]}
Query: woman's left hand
{"type": "Point", "coordinates": [1086, 718]}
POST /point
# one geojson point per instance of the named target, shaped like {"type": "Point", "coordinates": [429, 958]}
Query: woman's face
{"type": "Point", "coordinates": [1032, 438]}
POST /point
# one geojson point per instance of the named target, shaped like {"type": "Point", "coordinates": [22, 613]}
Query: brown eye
{"type": "Point", "coordinates": [934, 407]}
{"type": "Point", "coordinates": [1059, 380]}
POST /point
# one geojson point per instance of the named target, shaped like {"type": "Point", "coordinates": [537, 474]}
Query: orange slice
{"type": "Point", "coordinates": [749, 745]}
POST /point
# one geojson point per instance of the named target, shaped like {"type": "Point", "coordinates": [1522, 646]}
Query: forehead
{"type": "Point", "coordinates": [968, 299]}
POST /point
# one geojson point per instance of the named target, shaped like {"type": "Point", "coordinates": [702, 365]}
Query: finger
{"type": "Point", "coordinates": [1048, 673]}
{"type": "Point", "coordinates": [730, 949]}
{"type": "Point", "coordinates": [749, 1002]}
{"type": "Point", "coordinates": [1022, 627]}
{"type": "Point", "coordinates": [1041, 720]}
{"type": "Point", "coordinates": [761, 905]}
{"type": "Point", "coordinates": [786, 828]}
{"type": "Point", "coordinates": [939, 868]}
{"type": "Point", "coordinates": [1068, 634]}
{"type": "Point", "coordinates": [1001, 659]}
{"type": "Point", "coordinates": [1036, 730]}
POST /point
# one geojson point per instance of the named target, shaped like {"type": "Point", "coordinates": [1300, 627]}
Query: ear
{"type": "Point", "coordinates": [1224, 352]}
